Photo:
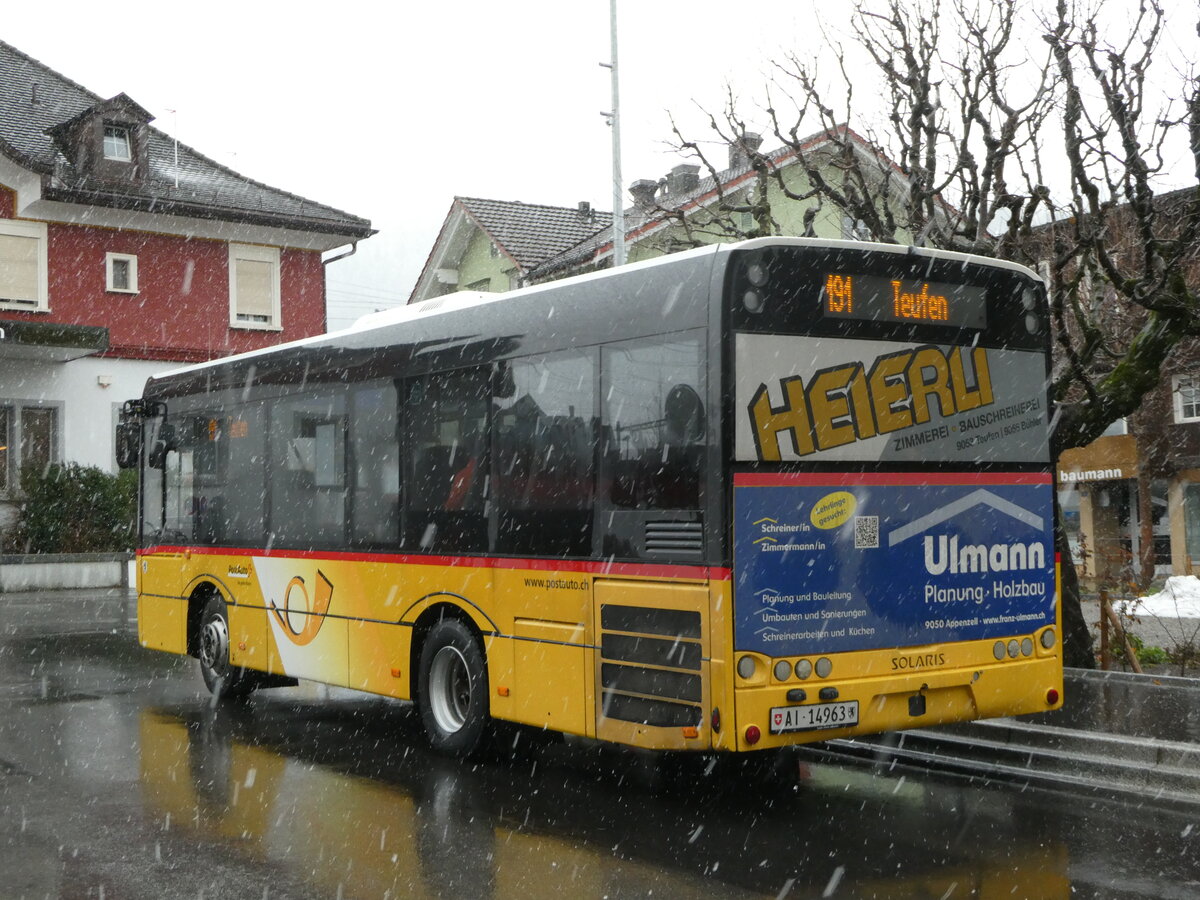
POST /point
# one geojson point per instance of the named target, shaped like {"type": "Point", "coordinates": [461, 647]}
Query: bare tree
{"type": "Point", "coordinates": [1055, 162]}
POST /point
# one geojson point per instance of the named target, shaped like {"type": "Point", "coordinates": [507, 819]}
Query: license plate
{"type": "Point", "coordinates": [814, 716]}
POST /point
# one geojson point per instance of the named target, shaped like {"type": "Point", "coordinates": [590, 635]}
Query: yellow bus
{"type": "Point", "coordinates": [741, 497]}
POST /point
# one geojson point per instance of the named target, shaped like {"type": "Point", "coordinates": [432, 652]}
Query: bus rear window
{"type": "Point", "coordinates": [654, 424]}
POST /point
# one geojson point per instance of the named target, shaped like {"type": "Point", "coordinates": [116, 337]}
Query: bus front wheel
{"type": "Point", "coordinates": [452, 689]}
{"type": "Point", "coordinates": [222, 679]}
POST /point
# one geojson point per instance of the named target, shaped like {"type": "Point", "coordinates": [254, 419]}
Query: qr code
{"type": "Point", "coordinates": [866, 532]}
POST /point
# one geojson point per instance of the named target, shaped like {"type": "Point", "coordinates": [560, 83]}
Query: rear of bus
{"type": "Point", "coordinates": [892, 500]}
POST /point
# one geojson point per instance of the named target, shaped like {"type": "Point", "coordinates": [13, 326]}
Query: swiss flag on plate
{"type": "Point", "coordinates": [778, 718]}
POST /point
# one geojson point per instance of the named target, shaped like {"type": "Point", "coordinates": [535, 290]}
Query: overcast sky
{"type": "Point", "coordinates": [389, 110]}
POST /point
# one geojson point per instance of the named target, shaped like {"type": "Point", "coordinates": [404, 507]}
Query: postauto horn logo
{"type": "Point", "coordinates": [301, 617]}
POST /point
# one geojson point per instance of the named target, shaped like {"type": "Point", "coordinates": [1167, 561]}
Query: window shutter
{"type": "Point", "coordinates": [18, 268]}
{"type": "Point", "coordinates": [255, 288]}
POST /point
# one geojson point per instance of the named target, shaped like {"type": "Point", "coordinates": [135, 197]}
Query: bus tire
{"type": "Point", "coordinates": [223, 680]}
{"type": "Point", "coordinates": [452, 689]}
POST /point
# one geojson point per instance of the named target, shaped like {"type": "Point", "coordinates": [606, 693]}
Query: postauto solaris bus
{"type": "Point", "coordinates": [740, 497]}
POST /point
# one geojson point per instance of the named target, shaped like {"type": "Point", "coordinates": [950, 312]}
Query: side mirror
{"type": "Point", "coordinates": [129, 443]}
{"type": "Point", "coordinates": [684, 414]}
{"type": "Point", "coordinates": [157, 457]}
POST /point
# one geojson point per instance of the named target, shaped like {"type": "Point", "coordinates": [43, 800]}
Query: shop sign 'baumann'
{"type": "Point", "coordinates": [1113, 457]}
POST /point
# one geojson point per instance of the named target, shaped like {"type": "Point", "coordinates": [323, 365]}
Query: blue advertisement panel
{"type": "Point", "coordinates": [830, 563]}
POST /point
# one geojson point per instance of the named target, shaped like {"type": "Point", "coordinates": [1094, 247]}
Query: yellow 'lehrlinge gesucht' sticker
{"type": "Point", "coordinates": [833, 510]}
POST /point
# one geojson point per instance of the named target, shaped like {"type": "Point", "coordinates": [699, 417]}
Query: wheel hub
{"type": "Point", "coordinates": [214, 644]}
{"type": "Point", "coordinates": [449, 689]}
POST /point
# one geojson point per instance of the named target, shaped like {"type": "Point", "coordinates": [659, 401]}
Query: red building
{"type": "Point", "coordinates": [123, 253]}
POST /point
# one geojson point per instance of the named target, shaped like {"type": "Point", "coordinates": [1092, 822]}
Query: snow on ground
{"type": "Point", "coordinates": [1179, 599]}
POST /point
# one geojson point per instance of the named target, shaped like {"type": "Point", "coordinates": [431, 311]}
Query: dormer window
{"type": "Point", "coordinates": [117, 143]}
{"type": "Point", "coordinates": [109, 141]}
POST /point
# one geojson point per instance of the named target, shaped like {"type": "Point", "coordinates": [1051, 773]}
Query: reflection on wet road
{"type": "Point", "coordinates": [386, 822]}
{"type": "Point", "coordinates": [116, 772]}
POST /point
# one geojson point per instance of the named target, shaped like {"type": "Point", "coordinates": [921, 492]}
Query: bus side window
{"type": "Point", "coordinates": [375, 447]}
{"type": "Point", "coordinates": [213, 477]}
{"type": "Point", "coordinates": [193, 477]}
{"type": "Point", "coordinates": [654, 424]}
{"type": "Point", "coordinates": [446, 472]}
{"type": "Point", "coordinates": [545, 455]}
{"type": "Point", "coordinates": [245, 464]}
{"type": "Point", "coordinates": [179, 497]}
{"type": "Point", "coordinates": [308, 470]}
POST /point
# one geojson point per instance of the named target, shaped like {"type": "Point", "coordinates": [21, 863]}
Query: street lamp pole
{"type": "Point", "coordinates": [614, 119]}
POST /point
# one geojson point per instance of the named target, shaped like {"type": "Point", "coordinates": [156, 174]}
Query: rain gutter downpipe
{"type": "Point", "coordinates": [353, 249]}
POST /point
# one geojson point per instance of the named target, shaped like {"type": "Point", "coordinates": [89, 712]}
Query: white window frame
{"type": "Point", "coordinates": [254, 253]}
{"type": "Point", "coordinates": [122, 134]}
{"type": "Point", "coordinates": [109, 284]}
{"type": "Point", "coordinates": [36, 231]}
{"type": "Point", "coordinates": [1179, 383]}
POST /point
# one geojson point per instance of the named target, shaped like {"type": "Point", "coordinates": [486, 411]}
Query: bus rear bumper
{"type": "Point", "coordinates": [911, 700]}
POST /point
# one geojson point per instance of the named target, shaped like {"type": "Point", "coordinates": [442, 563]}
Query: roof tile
{"type": "Point", "coordinates": [531, 233]}
{"type": "Point", "coordinates": [34, 98]}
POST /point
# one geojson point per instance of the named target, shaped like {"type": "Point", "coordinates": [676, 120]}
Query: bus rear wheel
{"type": "Point", "coordinates": [452, 690]}
{"type": "Point", "coordinates": [223, 679]}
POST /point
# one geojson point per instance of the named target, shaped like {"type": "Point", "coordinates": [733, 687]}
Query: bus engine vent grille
{"type": "Point", "coordinates": [684, 540]}
{"type": "Point", "coordinates": [650, 665]}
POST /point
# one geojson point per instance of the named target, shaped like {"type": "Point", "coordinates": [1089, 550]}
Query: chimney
{"type": "Point", "coordinates": [643, 192]}
{"type": "Point", "coordinates": [585, 209]}
{"type": "Point", "coordinates": [682, 178]}
{"type": "Point", "coordinates": [740, 149]}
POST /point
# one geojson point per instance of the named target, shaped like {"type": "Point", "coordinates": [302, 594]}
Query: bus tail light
{"type": "Point", "coordinates": [753, 301]}
{"type": "Point", "coordinates": [752, 734]}
{"type": "Point", "coordinates": [1052, 697]}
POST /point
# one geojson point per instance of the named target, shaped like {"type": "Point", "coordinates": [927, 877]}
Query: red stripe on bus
{"type": "Point", "coordinates": [761, 479]}
{"type": "Point", "coordinates": [647, 570]}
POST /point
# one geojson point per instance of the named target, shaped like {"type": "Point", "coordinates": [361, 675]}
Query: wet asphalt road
{"type": "Point", "coordinates": [118, 779]}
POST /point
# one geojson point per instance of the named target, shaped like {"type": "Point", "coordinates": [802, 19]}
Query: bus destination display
{"type": "Point", "coordinates": [878, 299]}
